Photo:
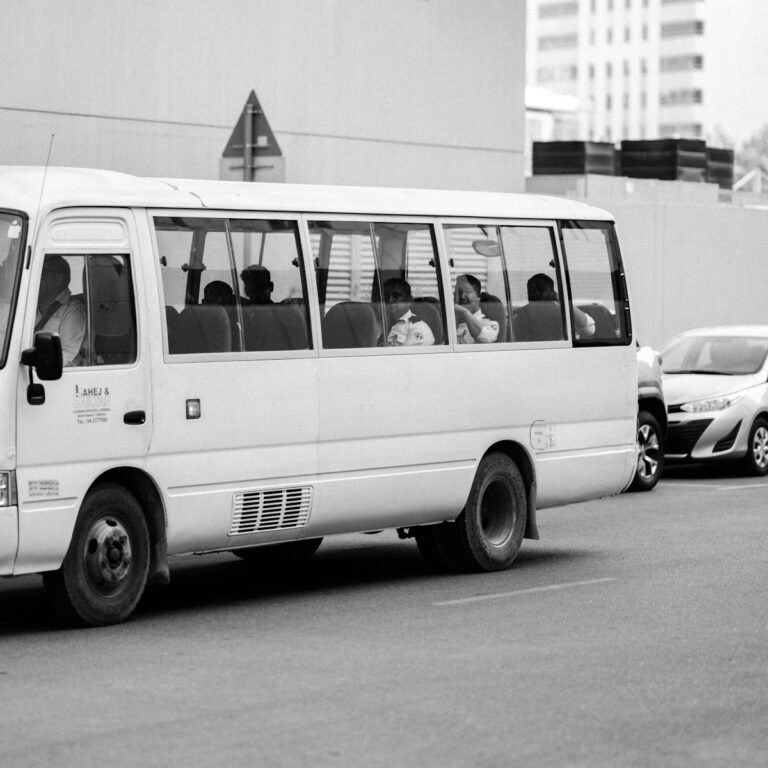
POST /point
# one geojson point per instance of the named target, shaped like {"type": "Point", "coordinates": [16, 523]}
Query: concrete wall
{"type": "Point", "coordinates": [404, 92]}
{"type": "Point", "coordinates": [691, 260]}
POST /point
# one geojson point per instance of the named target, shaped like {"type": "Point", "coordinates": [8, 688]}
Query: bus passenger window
{"type": "Point", "coordinates": [378, 284]}
{"type": "Point", "coordinates": [533, 277]}
{"type": "Point", "coordinates": [596, 279]}
{"type": "Point", "coordinates": [481, 304]}
{"type": "Point", "coordinates": [232, 285]}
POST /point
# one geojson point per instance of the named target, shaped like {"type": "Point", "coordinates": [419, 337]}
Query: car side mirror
{"type": "Point", "coordinates": [46, 358]}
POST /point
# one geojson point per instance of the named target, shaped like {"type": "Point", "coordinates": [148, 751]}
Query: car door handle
{"type": "Point", "coordinates": [134, 417]}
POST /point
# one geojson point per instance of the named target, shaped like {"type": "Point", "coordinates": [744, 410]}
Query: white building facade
{"type": "Point", "coordinates": [414, 93]}
{"type": "Point", "coordinates": [637, 67]}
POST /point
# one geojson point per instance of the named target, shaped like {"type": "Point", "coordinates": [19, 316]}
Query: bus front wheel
{"type": "Point", "coordinates": [488, 533]}
{"type": "Point", "coordinates": [106, 567]}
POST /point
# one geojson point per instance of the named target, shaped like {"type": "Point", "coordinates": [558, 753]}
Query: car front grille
{"type": "Point", "coordinates": [682, 436]}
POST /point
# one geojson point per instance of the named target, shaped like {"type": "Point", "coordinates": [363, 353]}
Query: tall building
{"type": "Point", "coordinates": [636, 67]}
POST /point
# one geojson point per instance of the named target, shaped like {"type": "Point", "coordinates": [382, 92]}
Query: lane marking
{"type": "Point", "coordinates": [515, 593]}
{"type": "Point", "coordinates": [715, 486]}
{"type": "Point", "coordinates": [741, 487]}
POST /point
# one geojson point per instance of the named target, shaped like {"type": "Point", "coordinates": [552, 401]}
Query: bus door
{"type": "Point", "coordinates": [84, 286]}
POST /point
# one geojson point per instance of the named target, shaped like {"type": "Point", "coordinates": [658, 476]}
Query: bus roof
{"type": "Point", "coordinates": [20, 189]}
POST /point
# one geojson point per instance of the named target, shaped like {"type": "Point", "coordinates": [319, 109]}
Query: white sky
{"type": "Point", "coordinates": [736, 65]}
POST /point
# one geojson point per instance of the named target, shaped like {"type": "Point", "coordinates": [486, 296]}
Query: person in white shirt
{"type": "Point", "coordinates": [407, 329]}
{"type": "Point", "coordinates": [472, 326]}
{"type": "Point", "coordinates": [58, 311]}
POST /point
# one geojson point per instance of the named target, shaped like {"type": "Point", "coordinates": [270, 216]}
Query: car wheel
{"type": "Point", "coordinates": [106, 567]}
{"type": "Point", "coordinates": [756, 460]}
{"type": "Point", "coordinates": [650, 453]}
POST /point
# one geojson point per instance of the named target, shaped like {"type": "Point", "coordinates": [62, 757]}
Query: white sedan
{"type": "Point", "coordinates": [715, 384]}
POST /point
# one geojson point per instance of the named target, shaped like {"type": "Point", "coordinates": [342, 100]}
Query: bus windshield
{"type": "Point", "coordinates": [12, 230]}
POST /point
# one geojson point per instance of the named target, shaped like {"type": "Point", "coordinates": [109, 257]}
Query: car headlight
{"type": "Point", "coordinates": [713, 404]}
{"type": "Point", "coordinates": [7, 489]}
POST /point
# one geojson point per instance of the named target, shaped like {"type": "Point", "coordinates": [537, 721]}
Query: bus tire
{"type": "Point", "coordinates": [286, 553]}
{"type": "Point", "coordinates": [488, 533]}
{"type": "Point", "coordinates": [106, 567]}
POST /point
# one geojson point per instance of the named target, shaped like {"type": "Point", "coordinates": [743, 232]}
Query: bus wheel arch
{"type": "Point", "coordinates": [147, 494]}
{"type": "Point", "coordinates": [487, 535]}
{"type": "Point", "coordinates": [522, 459]}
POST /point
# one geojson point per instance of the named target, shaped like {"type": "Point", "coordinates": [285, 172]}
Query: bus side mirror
{"type": "Point", "coordinates": [46, 358]}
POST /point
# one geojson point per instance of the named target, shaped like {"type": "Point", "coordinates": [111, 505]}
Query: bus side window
{"type": "Point", "coordinates": [88, 300]}
{"type": "Point", "coordinates": [232, 285]}
{"type": "Point", "coordinates": [531, 256]}
{"type": "Point", "coordinates": [378, 284]}
{"type": "Point", "coordinates": [596, 278]}
{"type": "Point", "coordinates": [108, 291]}
{"type": "Point", "coordinates": [345, 268]}
{"type": "Point", "coordinates": [479, 282]}
{"type": "Point", "coordinates": [271, 289]}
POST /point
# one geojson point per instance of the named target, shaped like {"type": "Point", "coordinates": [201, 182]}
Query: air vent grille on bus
{"type": "Point", "coordinates": [273, 510]}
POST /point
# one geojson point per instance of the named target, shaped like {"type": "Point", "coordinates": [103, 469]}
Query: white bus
{"type": "Point", "coordinates": [201, 366]}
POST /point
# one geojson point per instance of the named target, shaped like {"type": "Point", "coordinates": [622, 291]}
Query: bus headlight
{"type": "Point", "coordinates": [713, 404]}
{"type": "Point", "coordinates": [7, 489]}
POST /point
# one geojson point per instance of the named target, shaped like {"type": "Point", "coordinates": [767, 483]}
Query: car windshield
{"type": "Point", "coordinates": [714, 355]}
{"type": "Point", "coordinates": [12, 231]}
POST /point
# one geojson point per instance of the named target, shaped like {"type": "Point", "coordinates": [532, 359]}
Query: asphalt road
{"type": "Point", "coordinates": [635, 633]}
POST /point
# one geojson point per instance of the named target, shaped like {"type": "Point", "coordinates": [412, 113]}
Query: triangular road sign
{"type": "Point", "coordinates": [263, 142]}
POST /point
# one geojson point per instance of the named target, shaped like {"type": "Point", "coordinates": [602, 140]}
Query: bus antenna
{"type": "Point", "coordinates": [40, 199]}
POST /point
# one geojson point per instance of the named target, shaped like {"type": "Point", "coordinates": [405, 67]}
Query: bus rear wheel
{"type": "Point", "coordinates": [488, 533]}
{"type": "Point", "coordinates": [105, 570]}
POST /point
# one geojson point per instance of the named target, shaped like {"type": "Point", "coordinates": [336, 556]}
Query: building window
{"type": "Point", "coordinates": [677, 130]}
{"type": "Point", "coordinates": [682, 28]}
{"type": "Point", "coordinates": [682, 63]}
{"type": "Point", "coordinates": [553, 10]}
{"type": "Point", "coordinates": [556, 42]}
{"type": "Point", "coordinates": [681, 96]}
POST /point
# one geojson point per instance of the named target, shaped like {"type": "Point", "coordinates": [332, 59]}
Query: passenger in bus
{"type": "Point", "coordinates": [58, 311]}
{"type": "Point", "coordinates": [218, 293]}
{"type": "Point", "coordinates": [472, 326]}
{"type": "Point", "coordinates": [406, 328]}
{"type": "Point", "coordinates": [541, 288]}
{"type": "Point", "coordinates": [258, 284]}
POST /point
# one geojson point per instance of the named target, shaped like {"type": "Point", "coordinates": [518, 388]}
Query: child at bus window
{"type": "Point", "coordinates": [407, 329]}
{"type": "Point", "coordinates": [58, 311]}
{"type": "Point", "coordinates": [472, 326]}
